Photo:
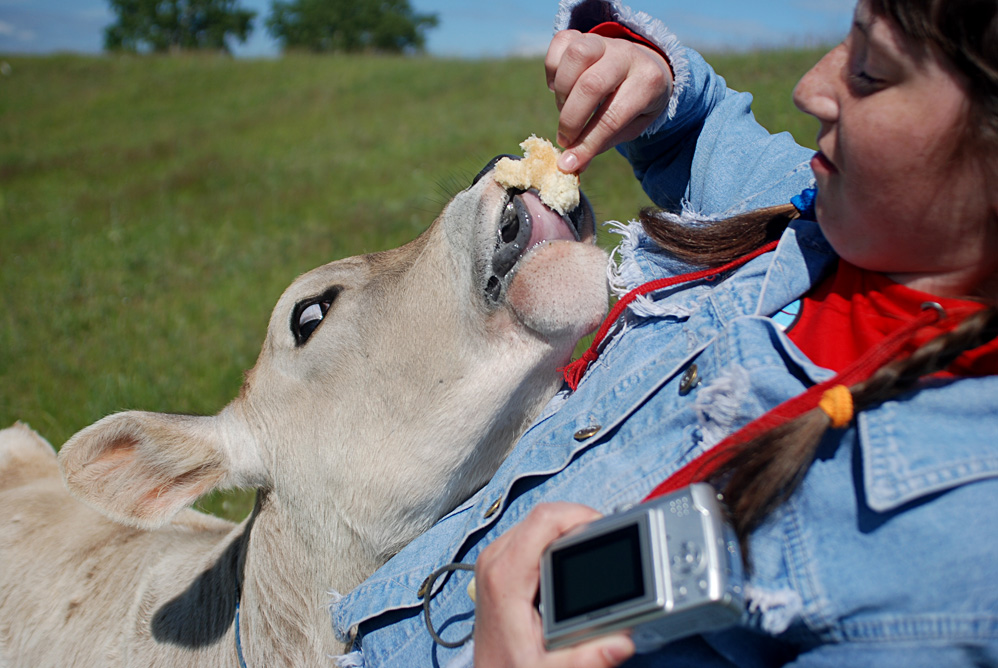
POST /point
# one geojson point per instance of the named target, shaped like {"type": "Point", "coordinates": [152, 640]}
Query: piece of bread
{"type": "Point", "coordinates": [539, 169]}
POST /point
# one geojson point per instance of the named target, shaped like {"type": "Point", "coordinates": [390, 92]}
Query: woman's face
{"type": "Point", "coordinates": [897, 191]}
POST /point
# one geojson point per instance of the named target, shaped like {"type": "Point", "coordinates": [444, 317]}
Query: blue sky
{"type": "Point", "coordinates": [470, 28]}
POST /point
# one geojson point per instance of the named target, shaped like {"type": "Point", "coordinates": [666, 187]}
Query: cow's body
{"type": "Point", "coordinates": [428, 362]}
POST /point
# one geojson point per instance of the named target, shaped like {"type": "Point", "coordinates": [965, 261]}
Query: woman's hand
{"type": "Point", "coordinates": [507, 625]}
{"type": "Point", "coordinates": [608, 91]}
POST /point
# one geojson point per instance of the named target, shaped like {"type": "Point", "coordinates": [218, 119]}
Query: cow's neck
{"type": "Point", "coordinates": [289, 569]}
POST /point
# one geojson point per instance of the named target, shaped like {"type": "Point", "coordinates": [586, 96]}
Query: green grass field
{"type": "Point", "coordinates": [152, 210]}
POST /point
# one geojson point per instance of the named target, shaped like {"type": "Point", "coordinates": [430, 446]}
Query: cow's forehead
{"type": "Point", "coordinates": [358, 270]}
{"type": "Point", "coordinates": [351, 271]}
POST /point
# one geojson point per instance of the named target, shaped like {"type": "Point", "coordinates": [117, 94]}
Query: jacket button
{"type": "Point", "coordinates": [587, 432]}
{"type": "Point", "coordinates": [472, 590]}
{"type": "Point", "coordinates": [689, 380]}
{"type": "Point", "coordinates": [494, 508]}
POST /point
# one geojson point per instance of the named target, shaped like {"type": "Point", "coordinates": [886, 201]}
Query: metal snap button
{"type": "Point", "coordinates": [689, 380]}
{"type": "Point", "coordinates": [587, 432]}
{"type": "Point", "coordinates": [472, 590]}
{"type": "Point", "coordinates": [494, 508]}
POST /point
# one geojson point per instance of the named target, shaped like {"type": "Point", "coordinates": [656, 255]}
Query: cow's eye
{"type": "Point", "coordinates": [310, 318]}
{"type": "Point", "coordinates": [309, 314]}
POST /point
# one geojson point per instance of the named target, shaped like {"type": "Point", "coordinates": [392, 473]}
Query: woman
{"type": "Point", "coordinates": [870, 534]}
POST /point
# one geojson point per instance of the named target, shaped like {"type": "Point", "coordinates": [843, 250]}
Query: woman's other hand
{"type": "Point", "coordinates": [508, 629]}
{"type": "Point", "coordinates": [608, 91]}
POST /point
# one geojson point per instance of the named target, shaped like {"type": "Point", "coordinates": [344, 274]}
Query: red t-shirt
{"type": "Point", "coordinates": [852, 310]}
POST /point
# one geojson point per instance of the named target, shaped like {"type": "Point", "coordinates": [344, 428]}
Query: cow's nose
{"type": "Point", "coordinates": [491, 165]}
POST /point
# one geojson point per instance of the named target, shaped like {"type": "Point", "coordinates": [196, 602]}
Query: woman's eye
{"type": "Point", "coordinates": [864, 81]}
{"type": "Point", "coordinates": [864, 74]}
{"type": "Point", "coordinates": [308, 319]}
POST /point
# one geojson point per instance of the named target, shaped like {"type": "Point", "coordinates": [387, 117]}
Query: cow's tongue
{"type": "Point", "coordinates": [546, 224]}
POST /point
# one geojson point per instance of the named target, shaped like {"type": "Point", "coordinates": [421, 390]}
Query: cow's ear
{"type": "Point", "coordinates": [143, 468]}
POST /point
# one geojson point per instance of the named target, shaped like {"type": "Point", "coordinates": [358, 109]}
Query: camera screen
{"type": "Point", "coordinates": [600, 572]}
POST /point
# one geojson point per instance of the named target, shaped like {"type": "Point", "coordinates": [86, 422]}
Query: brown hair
{"type": "Point", "coordinates": [966, 33]}
{"type": "Point", "coordinates": [766, 470]}
{"type": "Point", "coordinates": [712, 244]}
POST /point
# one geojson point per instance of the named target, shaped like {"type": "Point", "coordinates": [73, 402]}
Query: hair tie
{"type": "Point", "coordinates": [837, 404]}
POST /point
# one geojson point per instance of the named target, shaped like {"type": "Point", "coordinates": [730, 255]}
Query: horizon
{"type": "Point", "coordinates": [513, 28]}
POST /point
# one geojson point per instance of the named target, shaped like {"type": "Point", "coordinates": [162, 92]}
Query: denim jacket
{"type": "Point", "coordinates": [888, 553]}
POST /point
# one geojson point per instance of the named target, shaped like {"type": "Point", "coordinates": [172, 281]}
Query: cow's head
{"type": "Point", "coordinates": [389, 387]}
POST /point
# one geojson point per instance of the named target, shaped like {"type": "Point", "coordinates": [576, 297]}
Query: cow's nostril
{"type": "Point", "coordinates": [512, 237]}
{"type": "Point", "coordinates": [493, 288]}
{"type": "Point", "coordinates": [510, 227]}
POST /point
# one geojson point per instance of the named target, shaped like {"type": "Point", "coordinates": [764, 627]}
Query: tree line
{"type": "Point", "coordinates": [323, 26]}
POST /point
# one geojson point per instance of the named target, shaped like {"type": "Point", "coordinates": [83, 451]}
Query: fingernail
{"type": "Point", "coordinates": [568, 162]}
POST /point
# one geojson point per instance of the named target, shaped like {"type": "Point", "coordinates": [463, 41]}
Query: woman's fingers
{"type": "Point", "coordinates": [623, 116]}
{"type": "Point", "coordinates": [607, 91]}
{"type": "Point", "coordinates": [512, 562]}
{"type": "Point", "coordinates": [556, 50]}
{"type": "Point", "coordinates": [507, 625]}
{"type": "Point", "coordinates": [584, 76]}
{"type": "Point", "coordinates": [606, 652]}
{"type": "Point", "coordinates": [592, 90]}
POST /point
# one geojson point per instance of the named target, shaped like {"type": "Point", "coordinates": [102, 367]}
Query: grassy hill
{"type": "Point", "coordinates": [153, 209]}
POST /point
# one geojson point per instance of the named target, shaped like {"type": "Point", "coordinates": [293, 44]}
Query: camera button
{"type": "Point", "coordinates": [688, 559]}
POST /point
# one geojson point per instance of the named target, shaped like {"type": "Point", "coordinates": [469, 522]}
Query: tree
{"type": "Point", "coordinates": [348, 25]}
{"type": "Point", "coordinates": [171, 25]}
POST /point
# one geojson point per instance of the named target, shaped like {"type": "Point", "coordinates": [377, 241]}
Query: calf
{"type": "Point", "coordinates": [388, 389]}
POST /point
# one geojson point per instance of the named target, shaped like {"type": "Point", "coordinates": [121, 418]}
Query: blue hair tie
{"type": "Point", "coordinates": [804, 203]}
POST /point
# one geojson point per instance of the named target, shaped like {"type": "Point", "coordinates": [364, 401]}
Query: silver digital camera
{"type": "Point", "coordinates": [666, 569]}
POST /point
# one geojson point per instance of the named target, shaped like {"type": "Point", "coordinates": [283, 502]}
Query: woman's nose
{"type": "Point", "coordinates": [817, 91]}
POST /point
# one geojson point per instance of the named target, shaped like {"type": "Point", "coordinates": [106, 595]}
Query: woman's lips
{"type": "Point", "coordinates": [821, 164]}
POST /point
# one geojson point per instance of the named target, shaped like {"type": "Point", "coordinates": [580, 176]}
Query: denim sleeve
{"type": "Point", "coordinates": [712, 157]}
{"type": "Point", "coordinates": [706, 154]}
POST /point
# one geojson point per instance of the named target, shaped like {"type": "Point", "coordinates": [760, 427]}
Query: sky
{"type": "Point", "coordinates": [470, 28]}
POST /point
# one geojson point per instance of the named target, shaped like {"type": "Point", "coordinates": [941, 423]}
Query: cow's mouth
{"type": "Point", "coordinates": [527, 223]}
